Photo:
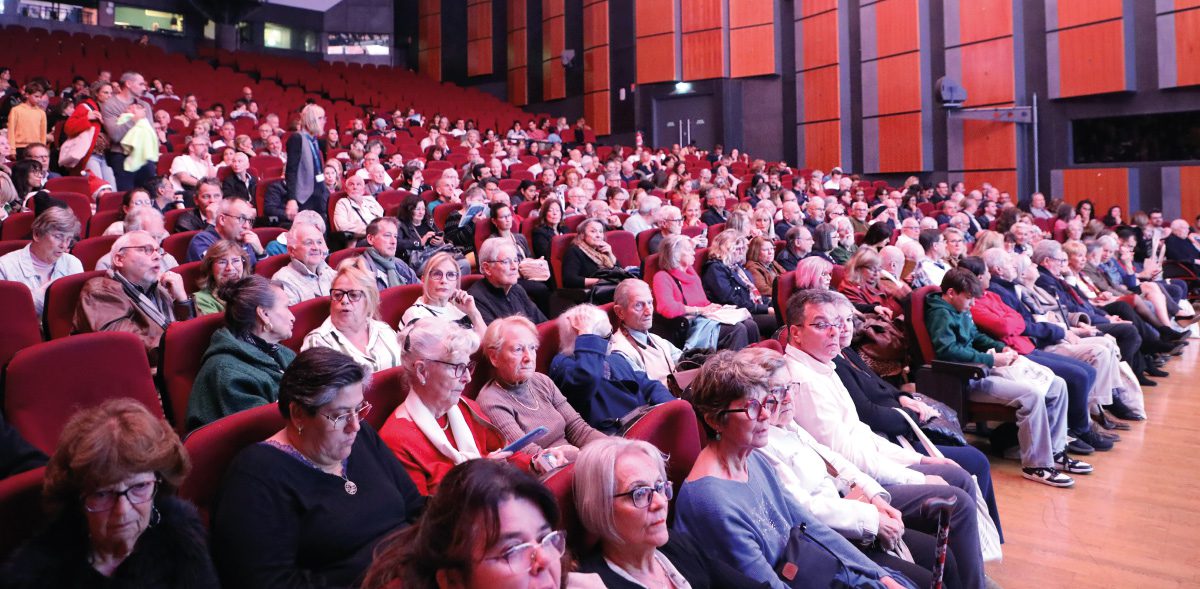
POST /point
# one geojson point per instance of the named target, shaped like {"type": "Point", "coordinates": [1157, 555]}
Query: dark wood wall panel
{"type": "Point", "coordinates": [429, 35]}
{"type": "Point", "coordinates": [479, 37]}
{"type": "Point", "coordinates": [554, 79]}
{"type": "Point", "coordinates": [518, 52]}
{"type": "Point", "coordinates": [597, 105]}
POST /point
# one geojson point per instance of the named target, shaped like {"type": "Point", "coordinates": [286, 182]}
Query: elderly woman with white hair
{"type": "Point", "coordinates": [604, 388]}
{"type": "Point", "coordinates": [679, 296]}
{"type": "Point", "coordinates": [353, 326]}
{"type": "Point", "coordinates": [437, 427]}
{"type": "Point", "coordinates": [46, 259]}
{"type": "Point", "coordinates": [621, 496]}
{"type": "Point", "coordinates": [518, 399]}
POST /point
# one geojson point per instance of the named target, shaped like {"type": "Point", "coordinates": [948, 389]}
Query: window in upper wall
{"type": "Point", "coordinates": [54, 11]}
{"type": "Point", "coordinates": [147, 20]}
{"type": "Point", "coordinates": [310, 42]}
{"type": "Point", "coordinates": [1159, 137]}
{"type": "Point", "coordinates": [277, 36]}
{"type": "Point", "coordinates": [359, 44]}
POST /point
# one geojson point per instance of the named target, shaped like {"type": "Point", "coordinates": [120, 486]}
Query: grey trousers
{"type": "Point", "coordinates": [1041, 418]}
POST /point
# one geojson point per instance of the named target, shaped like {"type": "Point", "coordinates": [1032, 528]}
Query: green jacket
{"type": "Point", "coordinates": [234, 375]}
{"type": "Point", "coordinates": [207, 303]}
{"type": "Point", "coordinates": [954, 335]}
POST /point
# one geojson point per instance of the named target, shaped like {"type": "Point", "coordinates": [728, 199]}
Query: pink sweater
{"type": "Point", "coordinates": [669, 299]}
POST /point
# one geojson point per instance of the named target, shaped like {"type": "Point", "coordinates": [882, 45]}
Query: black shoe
{"type": "Point", "coordinates": [1122, 411]}
{"type": "Point", "coordinates": [1103, 421]}
{"type": "Point", "coordinates": [1170, 335]}
{"type": "Point", "coordinates": [1079, 447]}
{"type": "Point", "coordinates": [1157, 372]}
{"type": "Point", "coordinates": [1146, 382]}
{"type": "Point", "coordinates": [1093, 439]}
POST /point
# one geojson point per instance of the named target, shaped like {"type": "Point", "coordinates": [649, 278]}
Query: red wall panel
{"type": "Point", "coordinates": [822, 144]}
{"type": "Point", "coordinates": [744, 13]}
{"type": "Point", "coordinates": [899, 136]}
{"type": "Point", "coordinates": [700, 15]}
{"type": "Point", "coordinates": [703, 55]}
{"type": "Point", "coordinates": [1104, 186]}
{"type": "Point", "coordinates": [429, 35]}
{"type": "Point", "coordinates": [821, 100]}
{"type": "Point", "coordinates": [984, 19]}
{"type": "Point", "coordinates": [1189, 186]}
{"type": "Point", "coordinates": [896, 83]}
{"type": "Point", "coordinates": [1187, 47]}
{"type": "Point", "coordinates": [1091, 59]}
{"type": "Point", "coordinates": [896, 27]}
{"type": "Point", "coordinates": [987, 72]}
{"type": "Point", "coordinates": [811, 7]}
{"type": "Point", "coordinates": [654, 17]}
{"type": "Point", "coordinates": [1080, 12]}
{"type": "Point", "coordinates": [597, 107]}
{"type": "Point", "coordinates": [655, 59]}
{"type": "Point", "coordinates": [752, 51]}
{"type": "Point", "coordinates": [518, 51]}
{"type": "Point", "coordinates": [989, 145]}
{"type": "Point", "coordinates": [819, 40]}
{"type": "Point", "coordinates": [1004, 181]}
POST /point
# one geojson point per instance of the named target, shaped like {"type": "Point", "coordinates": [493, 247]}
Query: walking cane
{"type": "Point", "coordinates": [939, 507]}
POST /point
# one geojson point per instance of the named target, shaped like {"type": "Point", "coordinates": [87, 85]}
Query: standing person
{"type": "Point", "coordinates": [305, 164]}
{"type": "Point", "coordinates": [86, 116]}
{"type": "Point", "coordinates": [128, 100]}
{"type": "Point", "coordinates": [27, 121]}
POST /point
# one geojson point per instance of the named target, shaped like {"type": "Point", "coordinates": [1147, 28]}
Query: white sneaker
{"type": "Point", "coordinates": [1067, 464]}
{"type": "Point", "coordinates": [1047, 476]}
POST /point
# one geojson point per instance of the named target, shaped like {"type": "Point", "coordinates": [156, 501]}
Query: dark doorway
{"type": "Point", "coordinates": [685, 120]}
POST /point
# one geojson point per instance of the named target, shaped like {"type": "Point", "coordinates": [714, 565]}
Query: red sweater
{"type": "Point", "coordinates": [667, 297]}
{"type": "Point", "coordinates": [425, 465]}
{"type": "Point", "coordinates": [1002, 322]}
{"type": "Point", "coordinates": [78, 123]}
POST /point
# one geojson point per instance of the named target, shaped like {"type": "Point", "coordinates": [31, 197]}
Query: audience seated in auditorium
{"type": "Point", "coordinates": [813, 272]}
{"type": "Point", "coordinates": [208, 206]}
{"type": "Point", "coordinates": [353, 213]}
{"type": "Point", "coordinates": [240, 183]}
{"type": "Point", "coordinates": [726, 282]}
{"type": "Point", "coordinates": [498, 294]}
{"type": "Point", "coordinates": [326, 475]}
{"type": "Point", "coordinates": [307, 276]}
{"type": "Point", "coordinates": [1183, 246]}
{"type": "Point", "coordinates": [732, 497]}
{"type": "Point", "coordinates": [138, 197]}
{"type": "Point", "coordinates": [380, 257]}
{"type": "Point", "coordinates": [223, 263]}
{"type": "Point", "coordinates": [518, 399]}
{"type": "Point", "coordinates": [442, 297]}
{"type": "Point", "coordinates": [930, 266]}
{"type": "Point", "coordinates": [136, 296]}
{"type": "Point", "coordinates": [244, 361]}
{"type": "Point", "coordinates": [679, 295]}
{"type": "Point", "coordinates": [353, 326]}
{"type": "Point", "coordinates": [110, 491]}
{"type": "Point", "coordinates": [761, 264]}
{"type": "Point", "coordinates": [535, 273]}
{"type": "Point", "coordinates": [644, 351]}
{"type": "Point", "coordinates": [234, 222]}
{"type": "Point", "coordinates": [798, 243]}
{"type": "Point", "coordinates": [547, 225]}
{"type": "Point", "coordinates": [45, 259]}
{"type": "Point", "coordinates": [714, 206]}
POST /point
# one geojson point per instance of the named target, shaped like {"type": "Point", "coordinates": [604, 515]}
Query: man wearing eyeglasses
{"type": "Point", "coordinates": [235, 222]}
{"type": "Point", "coordinates": [308, 276]}
{"type": "Point", "coordinates": [136, 296]}
{"type": "Point", "coordinates": [498, 294]}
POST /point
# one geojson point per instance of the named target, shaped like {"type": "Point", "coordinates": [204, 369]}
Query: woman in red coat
{"type": "Point", "coordinates": [87, 116]}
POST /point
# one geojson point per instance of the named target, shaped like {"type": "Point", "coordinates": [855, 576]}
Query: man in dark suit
{"type": "Point", "coordinates": [241, 183]}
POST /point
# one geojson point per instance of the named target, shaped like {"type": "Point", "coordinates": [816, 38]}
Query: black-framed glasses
{"type": "Point", "coordinates": [781, 392]}
{"type": "Point", "coordinates": [136, 493]}
{"type": "Point", "coordinates": [241, 220]}
{"type": "Point", "coordinates": [641, 496]}
{"type": "Point", "coordinates": [754, 407]}
{"type": "Point", "coordinates": [519, 558]}
{"type": "Point", "coordinates": [353, 296]}
{"type": "Point", "coordinates": [825, 325]}
{"type": "Point", "coordinates": [460, 370]}
{"type": "Point", "coordinates": [339, 420]}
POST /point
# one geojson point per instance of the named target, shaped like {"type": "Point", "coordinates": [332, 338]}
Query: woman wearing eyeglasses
{"type": "Point", "coordinates": [353, 326]}
{"type": "Point", "coordinates": [244, 362]}
{"type": "Point", "coordinates": [442, 296]}
{"type": "Point", "coordinates": [224, 262]}
{"type": "Point", "coordinates": [490, 526]}
{"type": "Point", "coordinates": [114, 518]}
{"type": "Point", "coordinates": [732, 497]}
{"type": "Point", "coordinates": [306, 507]}
{"type": "Point", "coordinates": [621, 496]}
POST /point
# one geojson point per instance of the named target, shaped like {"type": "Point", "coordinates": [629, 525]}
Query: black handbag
{"type": "Point", "coordinates": [945, 430]}
{"type": "Point", "coordinates": [808, 564]}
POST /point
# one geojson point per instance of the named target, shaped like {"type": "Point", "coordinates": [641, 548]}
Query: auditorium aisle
{"type": "Point", "coordinates": [1134, 524]}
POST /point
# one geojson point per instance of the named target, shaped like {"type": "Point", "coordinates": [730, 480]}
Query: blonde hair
{"type": "Point", "coordinates": [355, 270]}
{"type": "Point", "coordinates": [308, 119]}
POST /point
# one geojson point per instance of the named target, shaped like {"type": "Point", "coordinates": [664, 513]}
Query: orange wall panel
{"type": "Point", "coordinates": [596, 111]}
{"type": "Point", "coordinates": [899, 137]}
{"type": "Point", "coordinates": [595, 24]}
{"type": "Point", "coordinates": [1080, 12]}
{"type": "Point", "coordinates": [811, 7]}
{"type": "Point", "coordinates": [987, 72]}
{"type": "Point", "coordinates": [752, 51]}
{"type": "Point", "coordinates": [1189, 186]}
{"type": "Point", "coordinates": [989, 145]}
{"type": "Point", "coordinates": [821, 101]}
{"type": "Point", "coordinates": [1187, 47]}
{"type": "Point", "coordinates": [703, 55]}
{"type": "Point", "coordinates": [1182, 4]}
{"type": "Point", "coordinates": [700, 15]}
{"type": "Point", "coordinates": [896, 83]}
{"type": "Point", "coordinates": [896, 27]}
{"type": "Point", "coordinates": [984, 19]}
{"type": "Point", "coordinates": [1104, 186]}
{"type": "Point", "coordinates": [517, 52]}
{"type": "Point", "coordinates": [595, 69]}
{"type": "Point", "coordinates": [819, 39]}
{"type": "Point", "coordinates": [744, 13]}
{"type": "Point", "coordinates": [655, 59]}
{"type": "Point", "coordinates": [653, 17]}
{"type": "Point", "coordinates": [1003, 181]}
{"type": "Point", "coordinates": [553, 38]}
{"type": "Point", "coordinates": [1091, 59]}
{"type": "Point", "coordinates": [822, 145]}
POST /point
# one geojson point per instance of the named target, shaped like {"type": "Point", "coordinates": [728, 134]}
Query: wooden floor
{"type": "Point", "coordinates": [1134, 523]}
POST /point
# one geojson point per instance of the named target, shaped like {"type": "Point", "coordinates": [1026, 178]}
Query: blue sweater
{"type": "Point", "coordinates": [1042, 333]}
{"type": "Point", "coordinates": [747, 525]}
{"type": "Point", "coordinates": [603, 387]}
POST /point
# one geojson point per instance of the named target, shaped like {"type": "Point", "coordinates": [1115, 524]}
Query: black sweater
{"type": "Point", "coordinates": [700, 571]}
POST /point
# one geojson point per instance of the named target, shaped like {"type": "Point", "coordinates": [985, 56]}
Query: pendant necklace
{"type": "Point", "coordinates": [349, 486]}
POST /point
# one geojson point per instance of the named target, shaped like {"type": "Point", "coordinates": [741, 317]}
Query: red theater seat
{"type": "Point", "coordinates": [184, 344]}
{"type": "Point", "coordinates": [212, 447]}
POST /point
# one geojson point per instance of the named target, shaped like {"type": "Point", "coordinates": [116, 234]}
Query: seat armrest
{"type": "Point", "coordinates": [964, 370]}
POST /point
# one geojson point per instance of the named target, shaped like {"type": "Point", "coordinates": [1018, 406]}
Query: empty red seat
{"type": "Point", "coordinates": [48, 382]}
{"type": "Point", "coordinates": [184, 344]}
{"type": "Point", "coordinates": [623, 247]}
{"type": "Point", "coordinates": [212, 447]}
{"type": "Point", "coordinates": [62, 297]}
{"type": "Point", "coordinates": [386, 392]}
{"type": "Point", "coordinates": [177, 244]}
{"type": "Point", "coordinates": [267, 267]}
{"type": "Point", "coordinates": [17, 226]}
{"type": "Point", "coordinates": [19, 326]}
{"type": "Point", "coordinates": [90, 250]}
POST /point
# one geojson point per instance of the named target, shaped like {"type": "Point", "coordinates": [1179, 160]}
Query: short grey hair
{"type": "Point", "coordinates": [648, 204]}
{"type": "Point", "coordinates": [497, 330]}
{"type": "Point", "coordinates": [123, 241]}
{"type": "Point", "coordinates": [665, 212]}
{"type": "Point", "coordinates": [596, 320]}
{"type": "Point", "coordinates": [136, 219]}
{"type": "Point", "coordinates": [309, 218]}
{"type": "Point", "coordinates": [671, 251]}
{"type": "Point", "coordinates": [437, 339]}
{"type": "Point", "coordinates": [489, 250]}
{"type": "Point", "coordinates": [625, 290]}
{"type": "Point", "coordinates": [997, 258]}
{"type": "Point", "coordinates": [57, 219]}
{"type": "Point", "coordinates": [1046, 248]}
{"type": "Point", "coordinates": [595, 482]}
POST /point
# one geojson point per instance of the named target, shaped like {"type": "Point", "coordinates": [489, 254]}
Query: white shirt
{"type": "Point", "coordinates": [422, 309]}
{"type": "Point", "coordinates": [18, 267]}
{"type": "Point", "coordinates": [186, 164]}
{"type": "Point", "coordinates": [353, 218]}
{"type": "Point", "coordinates": [636, 224]}
{"type": "Point", "coordinates": [383, 349]}
{"type": "Point", "coordinates": [825, 410]}
{"type": "Point", "coordinates": [800, 463]}
{"type": "Point", "coordinates": [302, 284]}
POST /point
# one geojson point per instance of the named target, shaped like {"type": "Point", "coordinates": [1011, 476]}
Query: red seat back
{"type": "Point", "coordinates": [643, 243]}
{"type": "Point", "coordinates": [184, 345]}
{"type": "Point", "coordinates": [17, 226]}
{"type": "Point", "coordinates": [12, 245]}
{"type": "Point", "coordinates": [561, 484]}
{"type": "Point", "coordinates": [483, 230]}
{"type": "Point", "coordinates": [177, 244]}
{"type": "Point", "coordinates": [572, 223]}
{"type": "Point", "coordinates": [673, 429]}
{"type": "Point", "coordinates": [784, 287]}
{"type": "Point", "coordinates": [337, 257]}
{"type": "Point", "coordinates": [694, 231]}
{"type": "Point", "coordinates": [80, 204]}
{"type": "Point", "coordinates": [212, 447]}
{"type": "Point", "coordinates": [90, 250]}
{"type": "Point", "coordinates": [651, 268]}
{"type": "Point", "coordinates": [62, 297]}
{"type": "Point", "coordinates": [19, 327]}
{"type": "Point", "coordinates": [20, 509]}
{"type": "Point", "coordinates": [40, 396]}
{"type": "Point", "coordinates": [394, 301]}
{"type": "Point", "coordinates": [443, 212]}
{"type": "Point", "coordinates": [110, 201]}
{"type": "Point", "coordinates": [78, 184]}
{"type": "Point", "coordinates": [624, 247]}
{"type": "Point", "coordinates": [310, 315]}
{"type": "Point", "coordinates": [386, 392]}
{"type": "Point", "coordinates": [548, 340]}
{"type": "Point", "coordinates": [191, 273]}
{"type": "Point", "coordinates": [924, 344]}
{"type": "Point", "coordinates": [267, 267]}
{"type": "Point", "coordinates": [268, 234]}
{"type": "Point", "coordinates": [170, 218]}
{"type": "Point", "coordinates": [558, 247]}
{"type": "Point", "coordinates": [837, 276]}
{"type": "Point", "coordinates": [714, 230]}
{"type": "Point", "coordinates": [100, 222]}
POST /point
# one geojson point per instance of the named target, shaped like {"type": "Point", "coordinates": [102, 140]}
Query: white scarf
{"type": "Point", "coordinates": [414, 409]}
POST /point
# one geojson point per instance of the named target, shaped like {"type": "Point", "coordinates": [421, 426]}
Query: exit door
{"type": "Point", "coordinates": [685, 120]}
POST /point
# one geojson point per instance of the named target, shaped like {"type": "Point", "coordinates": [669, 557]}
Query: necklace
{"type": "Point", "coordinates": [349, 486]}
{"type": "Point", "coordinates": [513, 393]}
